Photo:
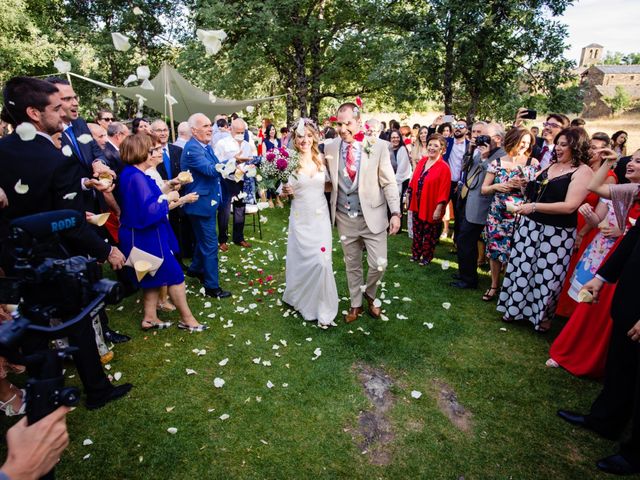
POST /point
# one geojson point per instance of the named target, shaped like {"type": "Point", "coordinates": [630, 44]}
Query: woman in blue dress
{"type": "Point", "coordinates": [272, 141]}
{"type": "Point", "coordinates": [144, 224]}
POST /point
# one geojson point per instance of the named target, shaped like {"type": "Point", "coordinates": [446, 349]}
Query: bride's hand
{"type": "Point", "coordinates": [287, 189]}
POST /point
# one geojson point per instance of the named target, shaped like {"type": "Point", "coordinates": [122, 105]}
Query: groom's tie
{"type": "Point", "coordinates": [351, 162]}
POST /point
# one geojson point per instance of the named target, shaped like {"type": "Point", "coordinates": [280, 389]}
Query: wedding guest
{"type": "Point", "coordinates": [11, 397]}
{"type": "Point", "coordinates": [578, 122]}
{"type": "Point", "coordinates": [457, 146]}
{"type": "Point", "coordinates": [233, 148]}
{"type": "Point", "coordinates": [144, 225]}
{"type": "Point", "coordinates": [184, 135]}
{"type": "Point", "coordinates": [428, 197]}
{"type": "Point", "coordinates": [400, 161]}
{"type": "Point", "coordinates": [104, 118]}
{"type": "Point", "coordinates": [272, 141]}
{"type": "Point", "coordinates": [550, 129]}
{"type": "Point", "coordinates": [140, 124]}
{"type": "Point", "coordinates": [285, 137]}
{"type": "Point", "coordinates": [546, 233]}
{"type": "Point", "coordinates": [445, 129]}
{"type": "Point", "coordinates": [505, 181]}
{"type": "Point", "coordinates": [585, 231]}
{"type": "Point", "coordinates": [116, 133]}
{"type": "Point", "coordinates": [405, 131]}
{"type": "Point", "coordinates": [619, 401]}
{"type": "Point", "coordinates": [419, 149]}
{"type": "Point", "coordinates": [581, 347]}
{"type": "Point", "coordinates": [99, 134]}
{"type": "Point", "coordinates": [199, 159]}
{"type": "Point", "coordinates": [619, 140]}
{"type": "Point", "coordinates": [222, 131]}
{"type": "Point", "coordinates": [473, 205]}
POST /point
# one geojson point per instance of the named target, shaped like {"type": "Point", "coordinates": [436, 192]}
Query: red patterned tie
{"type": "Point", "coordinates": [351, 162]}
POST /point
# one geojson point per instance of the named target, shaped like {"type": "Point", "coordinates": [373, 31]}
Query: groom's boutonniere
{"type": "Point", "coordinates": [368, 144]}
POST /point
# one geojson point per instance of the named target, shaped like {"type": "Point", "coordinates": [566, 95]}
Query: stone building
{"type": "Point", "coordinates": [599, 82]}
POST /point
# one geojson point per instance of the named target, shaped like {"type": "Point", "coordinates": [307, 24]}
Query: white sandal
{"type": "Point", "coordinates": [7, 407]}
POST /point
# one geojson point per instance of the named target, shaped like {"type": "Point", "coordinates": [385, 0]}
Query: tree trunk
{"type": "Point", "coordinates": [290, 107]}
{"type": "Point", "coordinates": [447, 87]}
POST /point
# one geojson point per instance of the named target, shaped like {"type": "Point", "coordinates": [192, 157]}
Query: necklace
{"type": "Point", "coordinates": [564, 166]}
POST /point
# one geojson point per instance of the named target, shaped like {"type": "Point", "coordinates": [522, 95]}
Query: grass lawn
{"type": "Point", "coordinates": [307, 424]}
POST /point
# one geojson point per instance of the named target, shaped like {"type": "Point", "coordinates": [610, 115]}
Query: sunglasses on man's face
{"type": "Point", "coordinates": [460, 126]}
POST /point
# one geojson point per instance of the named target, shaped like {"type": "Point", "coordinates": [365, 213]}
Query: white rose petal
{"type": "Point", "coordinates": [317, 352]}
{"type": "Point", "coordinates": [143, 72]}
{"type": "Point", "coordinates": [120, 42]}
{"type": "Point", "coordinates": [428, 325]}
{"type": "Point", "coordinates": [70, 196]}
{"type": "Point", "coordinates": [266, 363]}
{"type": "Point", "coordinates": [256, 360]}
{"type": "Point", "coordinates": [211, 39]}
{"type": "Point", "coordinates": [85, 138]}
{"type": "Point", "coordinates": [283, 342]}
{"type": "Point", "coordinates": [61, 66]}
{"type": "Point", "coordinates": [130, 79]}
{"type": "Point", "coordinates": [66, 151]}
{"type": "Point", "coordinates": [21, 188]}
{"type": "Point", "coordinates": [399, 316]}
{"type": "Point", "coordinates": [223, 362]}
{"type": "Point", "coordinates": [250, 108]}
{"type": "Point", "coordinates": [190, 371]}
{"type": "Point", "coordinates": [137, 11]}
{"type": "Point", "coordinates": [377, 303]}
{"type": "Point", "coordinates": [502, 329]}
{"type": "Point", "coordinates": [446, 305]}
{"type": "Point", "coordinates": [26, 131]}
{"type": "Point", "coordinates": [172, 430]}
{"type": "Point", "coordinates": [169, 409]}
{"type": "Point", "coordinates": [224, 416]}
{"type": "Point", "coordinates": [406, 299]}
{"type": "Point", "coordinates": [86, 457]}
{"type": "Point", "coordinates": [445, 265]}
{"type": "Point", "coordinates": [269, 384]}
{"type": "Point", "coordinates": [87, 441]}
{"type": "Point", "coordinates": [117, 376]}
{"type": "Point", "coordinates": [416, 394]}
{"type": "Point", "coordinates": [218, 382]}
{"type": "Point", "coordinates": [253, 306]}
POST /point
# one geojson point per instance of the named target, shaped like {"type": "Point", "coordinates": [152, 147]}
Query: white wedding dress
{"type": "Point", "coordinates": [311, 286]}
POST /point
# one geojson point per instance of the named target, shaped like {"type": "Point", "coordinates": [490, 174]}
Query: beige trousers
{"type": "Point", "coordinates": [356, 237]}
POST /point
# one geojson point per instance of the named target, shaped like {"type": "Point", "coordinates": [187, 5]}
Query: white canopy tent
{"type": "Point", "coordinates": [171, 94]}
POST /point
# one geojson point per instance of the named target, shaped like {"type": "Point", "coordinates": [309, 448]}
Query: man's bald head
{"type": "Point", "coordinates": [160, 128]}
{"type": "Point", "coordinates": [237, 128]}
{"type": "Point", "coordinates": [200, 127]}
{"type": "Point", "coordinates": [98, 133]}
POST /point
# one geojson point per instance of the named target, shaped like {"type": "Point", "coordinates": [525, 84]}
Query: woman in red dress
{"type": "Point", "coordinates": [428, 196]}
{"type": "Point", "coordinates": [581, 348]}
{"type": "Point", "coordinates": [566, 305]}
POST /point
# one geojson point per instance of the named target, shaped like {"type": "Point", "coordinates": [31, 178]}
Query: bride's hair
{"type": "Point", "coordinates": [315, 148]}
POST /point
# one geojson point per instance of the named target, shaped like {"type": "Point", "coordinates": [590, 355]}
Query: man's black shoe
{"type": "Point", "coordinates": [456, 276]}
{"type": "Point", "coordinates": [115, 337]}
{"type": "Point", "coordinates": [617, 465]}
{"type": "Point", "coordinates": [198, 275]}
{"type": "Point", "coordinates": [113, 394]}
{"type": "Point", "coordinates": [581, 421]}
{"type": "Point", "coordinates": [461, 284]}
{"type": "Point", "coordinates": [216, 292]}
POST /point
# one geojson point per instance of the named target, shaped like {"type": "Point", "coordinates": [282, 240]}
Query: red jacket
{"type": "Point", "coordinates": [435, 189]}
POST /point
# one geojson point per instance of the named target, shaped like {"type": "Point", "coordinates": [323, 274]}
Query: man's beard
{"type": "Point", "coordinates": [458, 134]}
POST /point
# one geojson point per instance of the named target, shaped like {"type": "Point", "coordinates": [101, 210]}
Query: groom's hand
{"type": "Point", "coordinates": [394, 225]}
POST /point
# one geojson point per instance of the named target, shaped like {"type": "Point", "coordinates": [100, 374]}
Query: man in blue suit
{"type": "Point", "coordinates": [199, 159]}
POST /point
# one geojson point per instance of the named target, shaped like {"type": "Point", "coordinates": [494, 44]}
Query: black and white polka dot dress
{"type": "Point", "coordinates": [540, 254]}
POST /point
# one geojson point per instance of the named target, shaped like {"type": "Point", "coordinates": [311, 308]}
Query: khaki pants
{"type": "Point", "coordinates": [358, 236]}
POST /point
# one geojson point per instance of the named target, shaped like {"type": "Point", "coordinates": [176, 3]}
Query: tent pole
{"type": "Point", "coordinates": [168, 92]}
{"type": "Point", "coordinates": [69, 79]}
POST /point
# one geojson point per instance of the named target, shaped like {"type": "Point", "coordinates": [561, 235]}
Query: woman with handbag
{"type": "Point", "coordinates": [146, 236]}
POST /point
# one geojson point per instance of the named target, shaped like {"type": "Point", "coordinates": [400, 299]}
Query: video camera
{"type": "Point", "coordinates": [68, 291]}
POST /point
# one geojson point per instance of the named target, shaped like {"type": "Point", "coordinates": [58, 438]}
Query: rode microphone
{"type": "Point", "coordinates": [42, 225]}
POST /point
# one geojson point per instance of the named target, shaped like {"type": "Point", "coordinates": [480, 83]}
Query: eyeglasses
{"type": "Point", "coordinates": [107, 119]}
{"type": "Point", "coordinates": [551, 125]}
{"type": "Point", "coordinates": [459, 126]}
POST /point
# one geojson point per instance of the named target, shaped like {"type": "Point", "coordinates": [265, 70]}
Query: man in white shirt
{"type": "Point", "coordinates": [184, 134]}
{"type": "Point", "coordinates": [222, 131]}
{"type": "Point", "coordinates": [232, 150]}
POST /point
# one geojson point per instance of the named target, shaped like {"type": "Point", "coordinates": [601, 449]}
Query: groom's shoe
{"type": "Point", "coordinates": [373, 310]}
{"type": "Point", "coordinates": [353, 314]}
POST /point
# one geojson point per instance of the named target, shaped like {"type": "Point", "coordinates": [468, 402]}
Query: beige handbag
{"type": "Point", "coordinates": [143, 262]}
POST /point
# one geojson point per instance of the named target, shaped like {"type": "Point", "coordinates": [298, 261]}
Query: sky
{"type": "Point", "coordinates": [614, 24]}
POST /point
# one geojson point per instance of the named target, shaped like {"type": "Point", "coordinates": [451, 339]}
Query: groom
{"type": "Point", "coordinates": [363, 184]}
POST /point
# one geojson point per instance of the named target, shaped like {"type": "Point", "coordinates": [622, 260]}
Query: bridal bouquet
{"type": "Point", "coordinates": [278, 165]}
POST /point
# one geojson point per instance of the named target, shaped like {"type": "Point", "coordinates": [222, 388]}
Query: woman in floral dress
{"type": "Point", "coordinates": [505, 180]}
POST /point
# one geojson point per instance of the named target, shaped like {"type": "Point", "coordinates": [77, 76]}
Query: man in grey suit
{"type": "Point", "coordinates": [477, 206]}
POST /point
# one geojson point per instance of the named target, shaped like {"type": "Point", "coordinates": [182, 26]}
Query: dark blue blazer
{"type": "Point", "coordinates": [450, 142]}
{"type": "Point", "coordinates": [112, 155]}
{"type": "Point", "coordinates": [90, 151]}
{"type": "Point", "coordinates": [201, 163]}
{"type": "Point", "coordinates": [54, 184]}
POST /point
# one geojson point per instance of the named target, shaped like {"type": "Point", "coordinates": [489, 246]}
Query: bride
{"type": "Point", "coordinates": [311, 286]}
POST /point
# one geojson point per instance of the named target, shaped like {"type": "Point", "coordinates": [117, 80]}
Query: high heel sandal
{"type": "Point", "coordinates": [147, 325]}
{"type": "Point", "coordinates": [488, 296]}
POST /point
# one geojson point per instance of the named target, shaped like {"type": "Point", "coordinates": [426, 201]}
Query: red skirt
{"type": "Point", "coordinates": [581, 348]}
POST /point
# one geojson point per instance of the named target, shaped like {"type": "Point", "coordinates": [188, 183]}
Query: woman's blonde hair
{"type": "Point", "coordinates": [315, 146]}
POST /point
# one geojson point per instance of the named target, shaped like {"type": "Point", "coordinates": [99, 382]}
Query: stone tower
{"type": "Point", "coordinates": [591, 55]}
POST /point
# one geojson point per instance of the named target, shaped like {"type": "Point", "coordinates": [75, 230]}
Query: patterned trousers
{"type": "Point", "coordinates": [425, 238]}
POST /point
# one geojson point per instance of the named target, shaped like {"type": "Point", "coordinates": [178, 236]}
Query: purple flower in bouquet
{"type": "Point", "coordinates": [270, 156]}
{"type": "Point", "coordinates": [281, 164]}
{"type": "Point", "coordinates": [284, 152]}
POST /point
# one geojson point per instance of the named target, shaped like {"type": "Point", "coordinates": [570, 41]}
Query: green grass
{"type": "Point", "coordinates": [302, 431]}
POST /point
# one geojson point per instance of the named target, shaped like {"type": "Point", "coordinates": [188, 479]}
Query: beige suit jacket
{"type": "Point", "coordinates": [376, 182]}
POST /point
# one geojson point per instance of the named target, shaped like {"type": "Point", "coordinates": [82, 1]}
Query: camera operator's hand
{"type": "Point", "coordinates": [4, 201]}
{"type": "Point", "coordinates": [116, 258]}
{"type": "Point", "coordinates": [33, 450]}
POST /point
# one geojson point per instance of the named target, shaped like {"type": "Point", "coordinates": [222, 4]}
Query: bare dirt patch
{"type": "Point", "coordinates": [374, 433]}
{"type": "Point", "coordinates": [449, 405]}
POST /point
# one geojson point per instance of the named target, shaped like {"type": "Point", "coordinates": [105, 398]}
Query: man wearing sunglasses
{"type": "Point", "coordinates": [550, 129]}
{"type": "Point", "coordinates": [457, 146]}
